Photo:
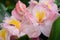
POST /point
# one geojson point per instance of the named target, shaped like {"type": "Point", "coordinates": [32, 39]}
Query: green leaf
{"type": "Point", "coordinates": [37, 0]}
{"type": "Point", "coordinates": [0, 28]}
{"type": "Point", "coordinates": [55, 32]}
{"type": "Point", "coordinates": [25, 2]}
{"type": "Point", "coordinates": [57, 2]}
{"type": "Point", "coordinates": [25, 37]}
{"type": "Point", "coordinates": [10, 8]}
{"type": "Point", "coordinates": [3, 12]}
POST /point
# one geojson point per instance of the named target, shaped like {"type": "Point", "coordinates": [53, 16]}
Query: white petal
{"type": "Point", "coordinates": [13, 30]}
{"type": "Point", "coordinates": [46, 28]}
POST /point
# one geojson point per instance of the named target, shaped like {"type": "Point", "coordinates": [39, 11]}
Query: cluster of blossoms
{"type": "Point", "coordinates": [33, 20]}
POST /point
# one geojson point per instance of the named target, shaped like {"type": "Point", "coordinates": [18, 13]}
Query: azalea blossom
{"type": "Point", "coordinates": [4, 35]}
{"type": "Point", "coordinates": [33, 20]}
{"type": "Point", "coordinates": [46, 13]}
{"type": "Point", "coordinates": [26, 22]}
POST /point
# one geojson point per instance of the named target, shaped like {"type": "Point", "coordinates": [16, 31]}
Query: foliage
{"type": "Point", "coordinates": [55, 32]}
{"type": "Point", "coordinates": [57, 2]}
{"type": "Point", "coordinates": [25, 37]}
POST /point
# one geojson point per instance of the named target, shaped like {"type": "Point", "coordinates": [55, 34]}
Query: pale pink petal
{"type": "Point", "coordinates": [50, 17]}
{"type": "Point", "coordinates": [11, 29]}
{"type": "Point", "coordinates": [31, 31]}
{"type": "Point", "coordinates": [16, 15]}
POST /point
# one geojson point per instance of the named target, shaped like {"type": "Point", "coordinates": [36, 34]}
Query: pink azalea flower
{"type": "Point", "coordinates": [4, 35]}
{"type": "Point", "coordinates": [20, 13]}
{"type": "Point", "coordinates": [46, 13]}
{"type": "Point", "coordinates": [32, 22]}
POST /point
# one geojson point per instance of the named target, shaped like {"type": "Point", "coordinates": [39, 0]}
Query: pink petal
{"type": "Point", "coordinates": [12, 30]}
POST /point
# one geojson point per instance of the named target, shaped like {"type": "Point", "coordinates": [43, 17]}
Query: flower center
{"type": "Point", "coordinates": [15, 23]}
{"type": "Point", "coordinates": [3, 34]}
{"type": "Point", "coordinates": [40, 16]}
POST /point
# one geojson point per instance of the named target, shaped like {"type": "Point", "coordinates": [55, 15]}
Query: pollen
{"type": "Point", "coordinates": [40, 16]}
{"type": "Point", "coordinates": [15, 23]}
{"type": "Point", "coordinates": [49, 6]}
{"type": "Point", "coordinates": [3, 34]}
